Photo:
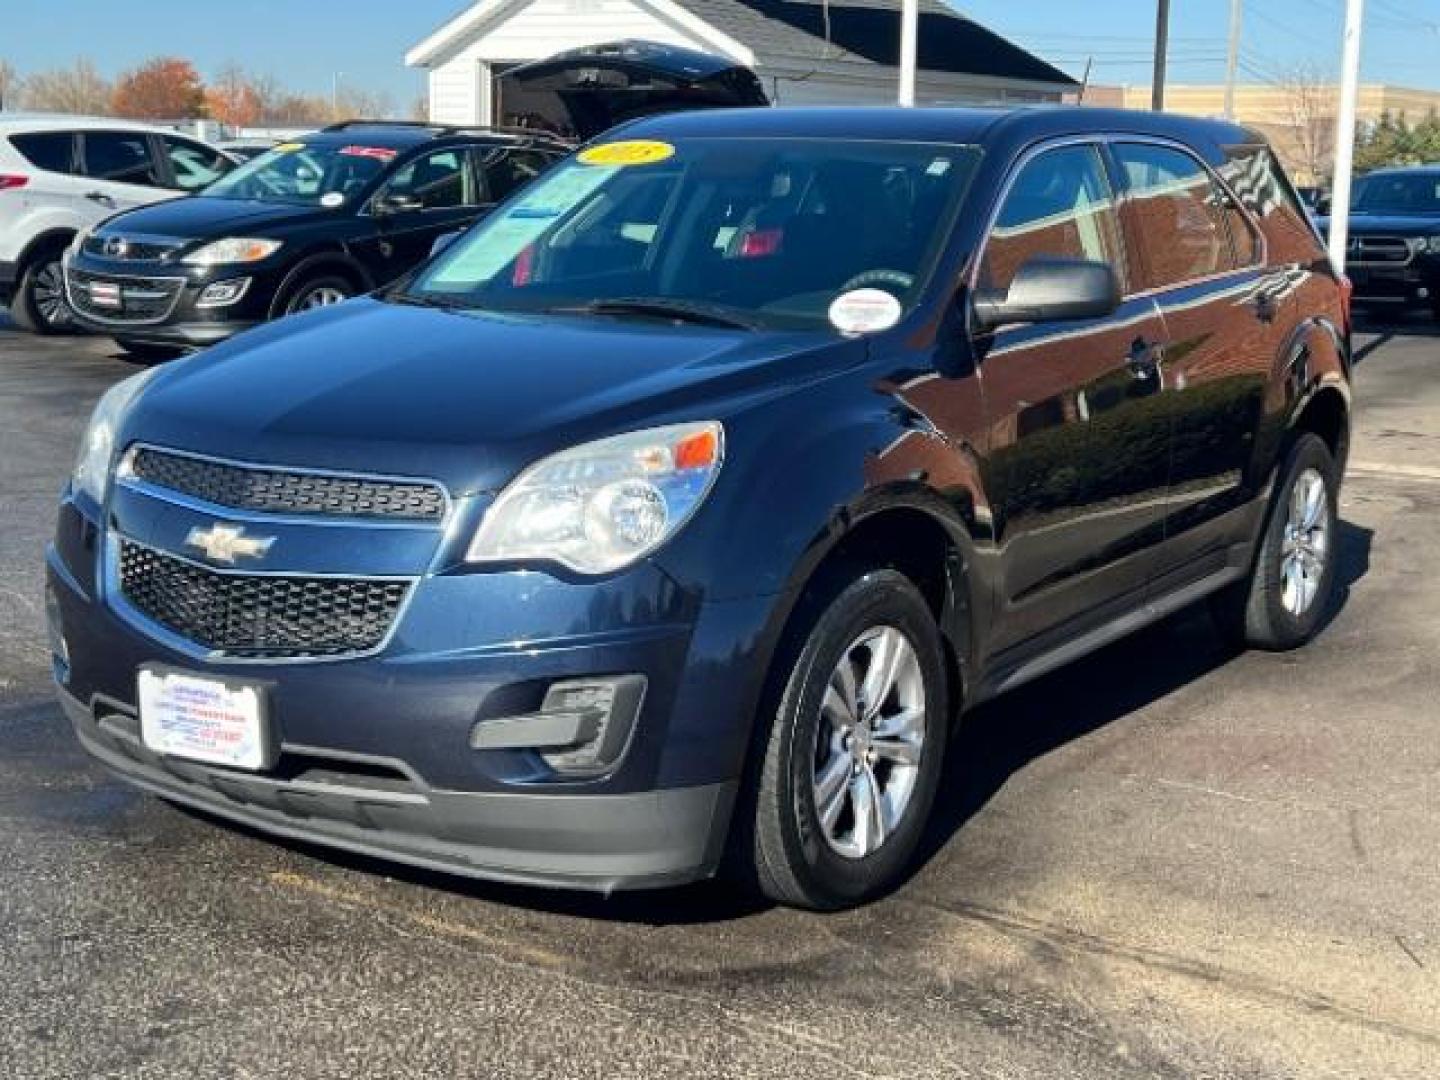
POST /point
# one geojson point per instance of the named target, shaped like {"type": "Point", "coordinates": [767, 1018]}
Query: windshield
{"type": "Point", "coordinates": [325, 174]}
{"type": "Point", "coordinates": [1400, 193]}
{"type": "Point", "coordinates": [756, 232]}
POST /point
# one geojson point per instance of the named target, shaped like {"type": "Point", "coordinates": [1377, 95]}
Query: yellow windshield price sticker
{"type": "Point", "coordinates": [288, 147]}
{"type": "Point", "coordinates": [631, 152]}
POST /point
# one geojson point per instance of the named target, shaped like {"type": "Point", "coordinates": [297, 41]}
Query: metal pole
{"type": "Point", "coordinates": [909, 45]}
{"type": "Point", "coordinates": [1162, 47]}
{"type": "Point", "coordinates": [1345, 132]}
{"type": "Point", "coordinates": [1232, 58]}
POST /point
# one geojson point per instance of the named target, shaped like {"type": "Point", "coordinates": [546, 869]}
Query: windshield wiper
{"type": "Point", "coordinates": [659, 307]}
{"type": "Point", "coordinates": [430, 300]}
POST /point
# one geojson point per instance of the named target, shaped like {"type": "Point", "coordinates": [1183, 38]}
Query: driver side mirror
{"type": "Point", "coordinates": [1050, 289]}
{"type": "Point", "coordinates": [397, 204]}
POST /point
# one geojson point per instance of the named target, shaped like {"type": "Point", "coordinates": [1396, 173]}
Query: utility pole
{"type": "Point", "coordinates": [1162, 47]}
{"type": "Point", "coordinates": [909, 46]}
{"type": "Point", "coordinates": [1232, 58]}
{"type": "Point", "coordinates": [1345, 132]}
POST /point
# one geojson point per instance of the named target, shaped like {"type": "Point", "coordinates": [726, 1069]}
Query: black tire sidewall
{"type": "Point", "coordinates": [26, 310]}
{"type": "Point", "coordinates": [879, 598]}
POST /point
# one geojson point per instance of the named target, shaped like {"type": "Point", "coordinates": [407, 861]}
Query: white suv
{"type": "Point", "coordinates": [62, 175]}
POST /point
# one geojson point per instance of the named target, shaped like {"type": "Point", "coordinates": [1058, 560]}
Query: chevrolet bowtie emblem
{"type": "Point", "coordinates": [226, 543]}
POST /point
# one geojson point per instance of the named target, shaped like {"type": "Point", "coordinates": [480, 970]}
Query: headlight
{"type": "Point", "coordinates": [97, 448]}
{"type": "Point", "coordinates": [601, 506]}
{"type": "Point", "coordinates": [232, 250]}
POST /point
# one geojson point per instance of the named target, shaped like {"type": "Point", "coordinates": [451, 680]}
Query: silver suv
{"type": "Point", "coordinates": [61, 176]}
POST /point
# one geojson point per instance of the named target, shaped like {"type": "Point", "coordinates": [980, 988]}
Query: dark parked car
{"type": "Point", "coordinates": [670, 518]}
{"type": "Point", "coordinates": [311, 222]}
{"type": "Point", "coordinates": [1393, 255]}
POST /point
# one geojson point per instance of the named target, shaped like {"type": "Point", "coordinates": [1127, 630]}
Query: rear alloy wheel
{"type": "Point", "coordinates": [854, 749]}
{"type": "Point", "coordinates": [1284, 602]}
{"type": "Point", "coordinates": [39, 304]}
{"type": "Point", "coordinates": [318, 293]}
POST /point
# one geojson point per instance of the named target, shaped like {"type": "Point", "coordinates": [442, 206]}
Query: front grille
{"type": "Point", "coordinates": [259, 616]}
{"type": "Point", "coordinates": [1381, 249]}
{"type": "Point", "coordinates": [142, 300]}
{"type": "Point", "coordinates": [277, 491]}
{"type": "Point", "coordinates": [133, 250]}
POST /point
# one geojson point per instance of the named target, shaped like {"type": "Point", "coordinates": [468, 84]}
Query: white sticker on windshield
{"type": "Point", "coordinates": [332, 198]}
{"type": "Point", "coordinates": [863, 311]}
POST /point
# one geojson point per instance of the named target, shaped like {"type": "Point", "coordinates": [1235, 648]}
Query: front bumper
{"type": "Point", "coordinates": [1413, 284]}
{"type": "Point", "coordinates": [376, 751]}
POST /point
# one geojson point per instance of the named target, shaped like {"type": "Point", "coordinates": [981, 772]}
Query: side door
{"type": "Point", "coordinates": [1200, 257]}
{"type": "Point", "coordinates": [1078, 445]}
{"type": "Point", "coordinates": [122, 169]}
{"type": "Point", "coordinates": [431, 194]}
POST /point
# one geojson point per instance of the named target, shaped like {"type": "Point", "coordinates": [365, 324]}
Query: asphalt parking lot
{"type": "Point", "coordinates": [1165, 861]}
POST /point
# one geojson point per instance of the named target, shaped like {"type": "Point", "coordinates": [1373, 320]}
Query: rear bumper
{"type": "Point", "coordinates": [593, 842]}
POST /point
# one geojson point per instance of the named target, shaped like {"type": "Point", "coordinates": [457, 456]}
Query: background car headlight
{"type": "Point", "coordinates": [234, 249]}
{"type": "Point", "coordinates": [97, 447]}
{"type": "Point", "coordinates": [601, 506]}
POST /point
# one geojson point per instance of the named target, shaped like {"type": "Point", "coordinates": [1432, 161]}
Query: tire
{"type": "Point", "coordinates": [1283, 603]}
{"type": "Point", "coordinates": [310, 293]}
{"type": "Point", "coordinates": [145, 352]}
{"type": "Point", "coordinates": [794, 857]}
{"type": "Point", "coordinates": [41, 286]}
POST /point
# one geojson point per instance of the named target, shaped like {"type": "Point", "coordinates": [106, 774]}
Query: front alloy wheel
{"type": "Point", "coordinates": [39, 304]}
{"type": "Point", "coordinates": [853, 748]}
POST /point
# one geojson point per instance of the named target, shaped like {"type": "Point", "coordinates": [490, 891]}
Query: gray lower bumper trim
{"type": "Point", "coordinates": [595, 842]}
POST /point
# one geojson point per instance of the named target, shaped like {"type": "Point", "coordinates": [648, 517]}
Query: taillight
{"type": "Point", "coordinates": [12, 180]}
{"type": "Point", "coordinates": [761, 243]}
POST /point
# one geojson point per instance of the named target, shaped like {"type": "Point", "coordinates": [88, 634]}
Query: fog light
{"type": "Point", "coordinates": [222, 293]}
{"type": "Point", "coordinates": [581, 730]}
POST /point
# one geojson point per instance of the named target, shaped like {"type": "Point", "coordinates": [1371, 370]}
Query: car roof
{"type": "Point", "coordinates": [1427, 169]}
{"type": "Point", "coordinates": [974, 126]}
{"type": "Point", "coordinates": [402, 136]}
{"type": "Point", "coordinates": [17, 122]}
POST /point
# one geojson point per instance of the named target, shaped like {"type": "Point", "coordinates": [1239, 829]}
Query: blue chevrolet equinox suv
{"type": "Point", "coordinates": [668, 520]}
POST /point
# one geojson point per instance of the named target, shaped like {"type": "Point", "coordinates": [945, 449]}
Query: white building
{"type": "Point", "coordinates": [806, 52]}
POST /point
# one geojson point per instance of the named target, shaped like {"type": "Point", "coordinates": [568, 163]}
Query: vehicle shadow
{"type": "Point", "coordinates": [993, 743]}
{"type": "Point", "coordinates": [1386, 326]}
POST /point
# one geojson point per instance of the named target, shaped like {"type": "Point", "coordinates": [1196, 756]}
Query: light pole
{"type": "Point", "coordinates": [1345, 132]}
{"type": "Point", "coordinates": [909, 46]}
{"type": "Point", "coordinates": [1232, 57]}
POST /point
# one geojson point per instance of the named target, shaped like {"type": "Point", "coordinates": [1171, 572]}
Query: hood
{"type": "Point", "coordinates": [204, 217]}
{"type": "Point", "coordinates": [466, 398]}
{"type": "Point", "coordinates": [1367, 224]}
{"type": "Point", "coordinates": [583, 92]}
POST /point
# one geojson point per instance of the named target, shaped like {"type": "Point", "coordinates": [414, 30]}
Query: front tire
{"type": "Point", "coordinates": [39, 304]}
{"type": "Point", "coordinates": [854, 749]}
{"type": "Point", "coordinates": [1282, 605]}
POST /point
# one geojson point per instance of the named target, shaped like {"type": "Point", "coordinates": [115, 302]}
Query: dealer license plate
{"type": "Point", "coordinates": [188, 716]}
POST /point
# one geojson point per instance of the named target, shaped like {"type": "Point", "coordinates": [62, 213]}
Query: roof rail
{"type": "Point", "coordinates": [455, 129]}
{"type": "Point", "coordinates": [345, 125]}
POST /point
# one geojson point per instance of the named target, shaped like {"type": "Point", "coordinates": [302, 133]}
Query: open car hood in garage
{"type": "Point", "coordinates": [580, 93]}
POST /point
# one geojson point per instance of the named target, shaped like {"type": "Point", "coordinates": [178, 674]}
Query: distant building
{"type": "Point", "coordinates": [1298, 119]}
{"type": "Point", "coordinates": [806, 52]}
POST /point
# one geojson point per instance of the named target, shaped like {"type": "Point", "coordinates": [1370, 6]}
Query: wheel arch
{"type": "Point", "coordinates": [44, 241]}
{"type": "Point", "coordinates": [334, 260]}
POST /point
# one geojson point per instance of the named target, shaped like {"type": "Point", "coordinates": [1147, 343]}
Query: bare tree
{"type": "Point", "coordinates": [353, 101]}
{"type": "Point", "coordinates": [1311, 102]}
{"type": "Point", "coordinates": [77, 89]}
{"type": "Point", "coordinates": [11, 86]}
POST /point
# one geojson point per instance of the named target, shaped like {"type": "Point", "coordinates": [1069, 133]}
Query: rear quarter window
{"type": "Point", "coordinates": [1263, 188]}
{"type": "Point", "coordinates": [52, 151]}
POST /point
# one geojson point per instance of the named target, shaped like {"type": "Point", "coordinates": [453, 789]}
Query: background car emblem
{"type": "Point", "coordinates": [226, 543]}
{"type": "Point", "coordinates": [117, 246]}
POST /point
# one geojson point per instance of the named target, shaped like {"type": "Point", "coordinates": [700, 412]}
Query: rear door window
{"type": "Point", "coordinates": [1182, 217]}
{"type": "Point", "coordinates": [121, 157]}
{"type": "Point", "coordinates": [53, 151]}
{"type": "Point", "coordinates": [194, 166]}
{"type": "Point", "coordinates": [1059, 205]}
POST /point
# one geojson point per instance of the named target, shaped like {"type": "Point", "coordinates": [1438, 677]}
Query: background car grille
{"type": "Point", "coordinates": [1381, 249]}
{"type": "Point", "coordinates": [253, 615]}
{"type": "Point", "coordinates": [143, 300]}
{"type": "Point", "coordinates": [243, 487]}
{"type": "Point", "coordinates": [134, 249]}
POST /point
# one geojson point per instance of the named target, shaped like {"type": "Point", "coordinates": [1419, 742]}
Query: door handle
{"type": "Point", "coordinates": [101, 198]}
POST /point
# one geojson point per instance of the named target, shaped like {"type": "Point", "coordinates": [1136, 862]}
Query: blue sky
{"type": "Point", "coordinates": [303, 42]}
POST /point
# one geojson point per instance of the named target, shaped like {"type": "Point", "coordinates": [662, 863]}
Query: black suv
{"type": "Point", "coordinates": [678, 509]}
{"type": "Point", "coordinates": [1393, 254]}
{"type": "Point", "coordinates": [308, 223]}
